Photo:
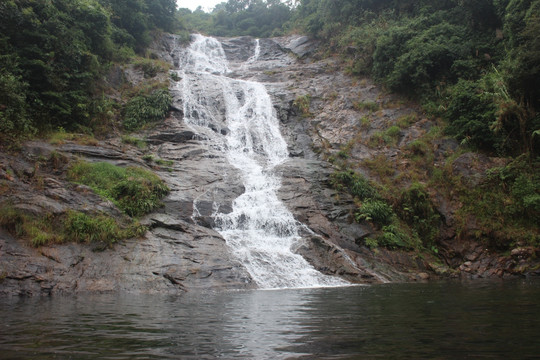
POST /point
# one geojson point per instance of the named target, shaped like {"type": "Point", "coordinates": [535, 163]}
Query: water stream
{"type": "Point", "coordinates": [260, 230]}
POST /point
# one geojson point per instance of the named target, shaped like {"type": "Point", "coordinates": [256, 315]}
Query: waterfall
{"type": "Point", "coordinates": [260, 230]}
{"type": "Point", "coordinates": [257, 53]}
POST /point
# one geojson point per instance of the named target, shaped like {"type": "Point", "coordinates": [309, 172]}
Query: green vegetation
{"type": "Point", "coordinates": [135, 141]}
{"type": "Point", "coordinates": [473, 63]}
{"type": "Point", "coordinates": [134, 190]}
{"type": "Point", "coordinates": [81, 227]}
{"type": "Point", "coordinates": [388, 137]}
{"type": "Point", "coordinates": [60, 136]}
{"type": "Point", "coordinates": [53, 55]}
{"type": "Point", "coordinates": [376, 211]}
{"type": "Point", "coordinates": [69, 226]}
{"type": "Point", "coordinates": [256, 18]}
{"type": "Point", "coordinates": [144, 109]}
{"type": "Point", "coordinates": [151, 67]}
{"type": "Point", "coordinates": [370, 106]}
{"type": "Point", "coordinates": [472, 67]}
{"type": "Point", "coordinates": [506, 205]}
{"type": "Point", "coordinates": [417, 210]}
{"type": "Point", "coordinates": [399, 219]}
{"type": "Point", "coordinates": [397, 228]}
{"type": "Point", "coordinates": [303, 103]}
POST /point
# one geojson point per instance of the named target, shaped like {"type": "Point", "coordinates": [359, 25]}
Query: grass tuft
{"type": "Point", "coordinates": [134, 190]}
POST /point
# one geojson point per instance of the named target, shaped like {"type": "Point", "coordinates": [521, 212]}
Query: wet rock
{"type": "Point", "coordinates": [35, 150]}
{"type": "Point", "coordinates": [239, 49]}
{"type": "Point", "coordinates": [522, 252]}
{"type": "Point", "coordinates": [171, 137]}
{"type": "Point", "coordinates": [301, 46]}
{"type": "Point", "coordinates": [472, 167]}
{"type": "Point", "coordinates": [93, 151]}
{"type": "Point", "coordinates": [22, 169]}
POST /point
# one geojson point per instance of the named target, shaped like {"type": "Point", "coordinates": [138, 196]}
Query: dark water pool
{"type": "Point", "coordinates": [493, 320]}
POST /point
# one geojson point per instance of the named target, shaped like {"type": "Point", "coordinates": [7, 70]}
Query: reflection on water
{"type": "Point", "coordinates": [411, 321]}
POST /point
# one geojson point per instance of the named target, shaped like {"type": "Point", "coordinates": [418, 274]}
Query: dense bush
{"type": "Point", "coordinates": [134, 190]}
{"type": "Point", "coordinates": [256, 18]}
{"type": "Point", "coordinates": [14, 119]}
{"type": "Point", "coordinates": [54, 53]}
{"type": "Point", "coordinates": [444, 53]}
{"type": "Point", "coordinates": [470, 114]}
{"type": "Point", "coordinates": [417, 210]}
{"type": "Point", "coordinates": [376, 211]}
{"type": "Point", "coordinates": [144, 109]}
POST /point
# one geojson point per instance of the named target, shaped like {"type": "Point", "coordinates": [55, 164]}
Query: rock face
{"type": "Point", "coordinates": [175, 254]}
{"type": "Point", "coordinates": [181, 251]}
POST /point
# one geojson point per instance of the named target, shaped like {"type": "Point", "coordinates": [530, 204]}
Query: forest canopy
{"type": "Point", "coordinates": [53, 52]}
{"type": "Point", "coordinates": [257, 18]}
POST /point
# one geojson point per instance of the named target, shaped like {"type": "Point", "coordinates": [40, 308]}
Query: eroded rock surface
{"type": "Point", "coordinates": [181, 251]}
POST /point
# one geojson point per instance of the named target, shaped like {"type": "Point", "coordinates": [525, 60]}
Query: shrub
{"type": "Point", "coordinates": [13, 107]}
{"type": "Point", "coordinates": [376, 211]}
{"type": "Point", "coordinates": [355, 184]}
{"type": "Point", "coordinates": [417, 210]}
{"type": "Point", "coordinates": [134, 190]}
{"type": "Point", "coordinates": [470, 113]}
{"type": "Point", "coordinates": [144, 109]}
{"type": "Point", "coordinates": [303, 103]}
{"type": "Point", "coordinates": [81, 227]}
{"type": "Point", "coordinates": [371, 243]}
{"type": "Point", "coordinates": [140, 143]}
{"type": "Point", "coordinates": [392, 237]}
{"type": "Point", "coordinates": [151, 67]}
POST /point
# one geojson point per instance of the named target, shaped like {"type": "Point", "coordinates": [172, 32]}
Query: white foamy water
{"type": "Point", "coordinates": [260, 230]}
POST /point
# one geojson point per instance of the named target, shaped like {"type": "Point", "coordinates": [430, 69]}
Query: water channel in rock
{"type": "Point", "coordinates": [238, 116]}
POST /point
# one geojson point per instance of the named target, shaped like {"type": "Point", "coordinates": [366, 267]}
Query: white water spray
{"type": "Point", "coordinates": [260, 230]}
{"type": "Point", "coordinates": [257, 53]}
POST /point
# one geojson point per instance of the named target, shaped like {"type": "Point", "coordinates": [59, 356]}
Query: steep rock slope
{"type": "Point", "coordinates": [181, 251]}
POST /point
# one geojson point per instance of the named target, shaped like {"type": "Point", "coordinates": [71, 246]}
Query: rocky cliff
{"type": "Point", "coordinates": [181, 251]}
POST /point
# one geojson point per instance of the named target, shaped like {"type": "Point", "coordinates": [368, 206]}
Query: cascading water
{"type": "Point", "coordinates": [260, 230]}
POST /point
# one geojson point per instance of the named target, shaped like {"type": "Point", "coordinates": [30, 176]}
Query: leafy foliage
{"type": "Point", "coordinates": [416, 209]}
{"type": "Point", "coordinates": [357, 185]}
{"type": "Point", "coordinates": [53, 54]}
{"type": "Point", "coordinates": [144, 109]}
{"type": "Point", "coordinates": [470, 114]}
{"type": "Point", "coordinates": [393, 237]}
{"type": "Point", "coordinates": [257, 18]}
{"type": "Point", "coordinates": [376, 211]}
{"type": "Point", "coordinates": [134, 190]}
{"type": "Point", "coordinates": [445, 53]}
{"type": "Point", "coordinates": [70, 226]}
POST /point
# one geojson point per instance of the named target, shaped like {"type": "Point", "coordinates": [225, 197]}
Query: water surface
{"type": "Point", "coordinates": [493, 320]}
